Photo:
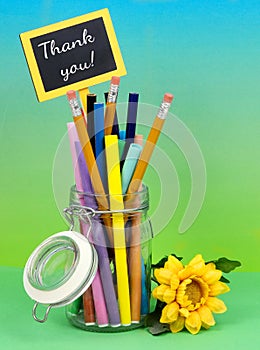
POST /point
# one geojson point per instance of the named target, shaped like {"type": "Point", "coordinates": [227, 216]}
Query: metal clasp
{"type": "Point", "coordinates": [45, 315]}
{"type": "Point", "coordinates": [82, 213]}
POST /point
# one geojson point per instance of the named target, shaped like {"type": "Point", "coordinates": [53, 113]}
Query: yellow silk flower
{"type": "Point", "coordinates": [190, 294]}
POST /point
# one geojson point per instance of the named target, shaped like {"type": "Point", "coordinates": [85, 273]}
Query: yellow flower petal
{"type": "Point", "coordinates": [159, 291]}
{"type": "Point", "coordinates": [184, 312]}
{"type": "Point", "coordinates": [209, 267]}
{"type": "Point", "coordinates": [173, 264]}
{"type": "Point", "coordinates": [193, 322]}
{"type": "Point", "coordinates": [163, 275]}
{"type": "Point", "coordinates": [186, 273]}
{"type": "Point", "coordinates": [164, 318]}
{"type": "Point", "coordinates": [177, 325]}
{"type": "Point", "coordinates": [204, 325]}
{"type": "Point", "coordinates": [169, 313]}
{"type": "Point", "coordinates": [191, 307]}
{"type": "Point", "coordinates": [199, 269]}
{"type": "Point", "coordinates": [198, 265]}
{"type": "Point", "coordinates": [181, 298]}
{"type": "Point", "coordinates": [174, 283]}
{"type": "Point", "coordinates": [169, 295]}
{"type": "Point", "coordinates": [216, 305]}
{"type": "Point", "coordinates": [212, 276]}
{"type": "Point", "coordinates": [218, 288]}
{"type": "Point", "coordinates": [173, 311]}
{"type": "Point", "coordinates": [206, 316]}
{"type": "Point", "coordinates": [197, 259]}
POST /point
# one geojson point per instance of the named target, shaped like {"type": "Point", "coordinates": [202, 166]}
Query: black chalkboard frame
{"type": "Point", "coordinates": [114, 61]}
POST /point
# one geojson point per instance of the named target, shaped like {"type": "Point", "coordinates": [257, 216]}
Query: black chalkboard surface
{"type": "Point", "coordinates": [72, 54]}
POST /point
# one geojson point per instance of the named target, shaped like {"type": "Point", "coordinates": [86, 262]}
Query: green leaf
{"type": "Point", "coordinates": [160, 263]}
{"type": "Point", "coordinates": [224, 279]}
{"type": "Point", "coordinates": [158, 328]}
{"type": "Point", "coordinates": [226, 265]}
{"type": "Point", "coordinates": [154, 316]}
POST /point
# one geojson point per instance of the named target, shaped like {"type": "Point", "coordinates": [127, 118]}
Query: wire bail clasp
{"type": "Point", "coordinates": [83, 213]}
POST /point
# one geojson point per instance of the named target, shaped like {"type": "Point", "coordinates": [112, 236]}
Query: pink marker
{"type": "Point", "coordinates": [97, 288]}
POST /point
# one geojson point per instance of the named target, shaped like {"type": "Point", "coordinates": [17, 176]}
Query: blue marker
{"type": "Point", "coordinates": [130, 162]}
{"type": "Point", "coordinates": [144, 297]}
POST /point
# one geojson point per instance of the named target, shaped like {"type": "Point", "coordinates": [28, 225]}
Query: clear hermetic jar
{"type": "Point", "coordinates": [120, 231]}
{"type": "Point", "coordinates": [100, 269]}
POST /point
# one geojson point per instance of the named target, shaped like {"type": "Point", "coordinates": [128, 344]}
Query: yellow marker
{"type": "Point", "coordinates": [116, 203]}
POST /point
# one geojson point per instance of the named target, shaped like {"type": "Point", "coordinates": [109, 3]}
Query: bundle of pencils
{"type": "Point", "coordinates": [111, 173]}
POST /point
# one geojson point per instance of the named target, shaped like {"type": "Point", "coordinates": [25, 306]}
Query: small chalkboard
{"type": "Point", "coordinates": [72, 54]}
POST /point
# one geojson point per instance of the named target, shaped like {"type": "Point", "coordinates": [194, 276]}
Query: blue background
{"type": "Point", "coordinates": [207, 54]}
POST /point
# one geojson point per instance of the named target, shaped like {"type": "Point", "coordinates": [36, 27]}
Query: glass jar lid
{"type": "Point", "coordinates": [60, 269]}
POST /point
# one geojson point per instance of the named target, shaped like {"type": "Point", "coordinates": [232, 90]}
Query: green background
{"type": "Point", "coordinates": [207, 54]}
{"type": "Point", "coordinates": [235, 329]}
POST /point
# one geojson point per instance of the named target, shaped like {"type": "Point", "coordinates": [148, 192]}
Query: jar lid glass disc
{"type": "Point", "coordinates": [60, 269]}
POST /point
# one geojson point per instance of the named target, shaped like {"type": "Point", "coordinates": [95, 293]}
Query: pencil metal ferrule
{"type": "Point", "coordinates": [163, 111]}
{"type": "Point", "coordinates": [113, 92]}
{"type": "Point", "coordinates": [75, 107]}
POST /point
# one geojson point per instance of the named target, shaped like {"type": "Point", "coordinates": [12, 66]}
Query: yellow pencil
{"type": "Point", "coordinates": [88, 153]}
{"type": "Point", "coordinates": [87, 150]}
{"type": "Point", "coordinates": [135, 185]}
{"type": "Point", "coordinates": [150, 144]}
{"type": "Point", "coordinates": [116, 203]}
{"type": "Point", "coordinates": [111, 105]}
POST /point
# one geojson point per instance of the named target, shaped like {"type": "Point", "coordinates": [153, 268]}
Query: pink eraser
{"type": "Point", "coordinates": [139, 139]}
{"type": "Point", "coordinates": [115, 80]}
{"type": "Point", "coordinates": [71, 94]}
{"type": "Point", "coordinates": [168, 97]}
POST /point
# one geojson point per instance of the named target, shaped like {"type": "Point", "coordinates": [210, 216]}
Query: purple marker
{"type": "Point", "coordinates": [98, 239]}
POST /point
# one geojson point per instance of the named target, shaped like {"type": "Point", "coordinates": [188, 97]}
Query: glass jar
{"type": "Point", "coordinates": [119, 296]}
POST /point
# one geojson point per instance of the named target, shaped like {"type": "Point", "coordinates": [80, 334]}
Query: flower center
{"type": "Point", "coordinates": [192, 293]}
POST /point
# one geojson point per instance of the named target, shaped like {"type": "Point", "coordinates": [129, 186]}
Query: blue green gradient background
{"type": "Point", "coordinates": [207, 54]}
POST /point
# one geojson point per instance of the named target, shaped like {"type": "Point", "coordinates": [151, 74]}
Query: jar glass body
{"type": "Point", "coordinates": [119, 297]}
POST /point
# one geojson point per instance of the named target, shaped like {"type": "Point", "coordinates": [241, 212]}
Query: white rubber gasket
{"type": "Point", "coordinates": [80, 279]}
